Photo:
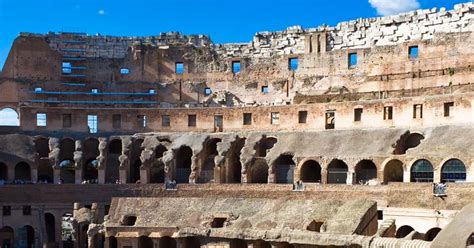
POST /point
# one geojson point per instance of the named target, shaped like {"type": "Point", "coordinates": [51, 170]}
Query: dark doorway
{"type": "Point", "coordinates": [310, 172]}
{"type": "Point", "coordinates": [337, 172]}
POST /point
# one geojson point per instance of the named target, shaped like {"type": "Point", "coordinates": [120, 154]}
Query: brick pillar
{"type": "Point", "coordinates": [11, 173]}
{"type": "Point", "coordinates": [34, 174]}
{"type": "Point", "coordinates": [56, 175]}
{"type": "Point", "coordinates": [350, 178]}
{"type": "Point", "coordinates": [144, 175]}
{"type": "Point", "coordinates": [406, 176]}
{"type": "Point", "coordinates": [324, 176]}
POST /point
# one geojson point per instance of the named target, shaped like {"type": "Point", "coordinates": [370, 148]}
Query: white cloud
{"type": "Point", "coordinates": [101, 12]}
{"type": "Point", "coordinates": [393, 7]}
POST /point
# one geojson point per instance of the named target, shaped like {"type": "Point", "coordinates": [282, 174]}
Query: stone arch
{"type": "Point", "coordinates": [113, 242]}
{"type": "Point", "coordinates": [67, 171]}
{"type": "Point", "coordinates": [50, 227]}
{"type": "Point", "coordinates": [183, 164]}
{"type": "Point", "coordinates": [157, 170]}
{"type": "Point", "coordinates": [3, 172]}
{"type": "Point", "coordinates": [231, 170]}
{"type": "Point", "coordinates": [9, 117]}
{"type": "Point", "coordinates": [42, 147]}
{"type": "Point", "coordinates": [393, 171]}
{"type": "Point", "coordinates": [259, 171]}
{"type": "Point", "coordinates": [167, 241]}
{"type": "Point", "coordinates": [421, 171]}
{"type": "Point", "coordinates": [432, 233]}
{"type": "Point", "coordinates": [283, 168]}
{"type": "Point", "coordinates": [453, 170]}
{"type": "Point", "coordinates": [67, 230]}
{"type": "Point", "coordinates": [207, 161]}
{"type": "Point", "coordinates": [192, 242]}
{"type": "Point", "coordinates": [23, 172]}
{"type": "Point", "coordinates": [408, 141]}
{"type": "Point", "coordinates": [470, 240]}
{"type": "Point", "coordinates": [264, 145]}
{"type": "Point", "coordinates": [365, 170]}
{"type": "Point", "coordinates": [7, 237]}
{"type": "Point", "coordinates": [113, 163]}
{"type": "Point", "coordinates": [403, 231]}
{"type": "Point", "coordinates": [90, 173]}
{"type": "Point", "coordinates": [26, 235]}
{"type": "Point", "coordinates": [261, 244]}
{"type": "Point", "coordinates": [337, 172]}
{"type": "Point", "coordinates": [67, 147]}
{"type": "Point", "coordinates": [135, 162]}
{"type": "Point", "coordinates": [310, 171]}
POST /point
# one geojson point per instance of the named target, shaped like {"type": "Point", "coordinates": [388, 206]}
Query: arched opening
{"type": "Point", "coordinates": [145, 242]}
{"type": "Point", "coordinates": [259, 172]}
{"type": "Point", "coordinates": [67, 172]}
{"type": "Point", "coordinates": [50, 227]}
{"type": "Point", "coordinates": [183, 164]}
{"type": "Point", "coordinates": [167, 242]}
{"type": "Point", "coordinates": [66, 149]}
{"type": "Point", "coordinates": [90, 173]}
{"type": "Point", "coordinates": [310, 172]}
{"type": "Point", "coordinates": [284, 166]}
{"type": "Point", "coordinates": [403, 231]}
{"type": "Point", "coordinates": [135, 162]}
{"type": "Point", "coordinates": [453, 170]}
{"type": "Point", "coordinates": [42, 147]}
{"type": "Point", "coordinates": [82, 235]}
{"type": "Point", "coordinates": [408, 141]}
{"type": "Point", "coordinates": [67, 229]}
{"type": "Point", "coordinates": [233, 172]}
{"type": "Point", "coordinates": [192, 242]}
{"type": "Point", "coordinates": [157, 172]}
{"type": "Point", "coordinates": [3, 172]}
{"type": "Point", "coordinates": [365, 170]}
{"type": "Point", "coordinates": [393, 171]}
{"type": "Point", "coordinates": [264, 146]}
{"type": "Point", "coordinates": [23, 172]}
{"type": "Point", "coordinates": [238, 243]}
{"type": "Point", "coordinates": [113, 242]}
{"type": "Point", "coordinates": [45, 171]}
{"type": "Point", "coordinates": [337, 172]}
{"type": "Point", "coordinates": [470, 240]}
{"type": "Point", "coordinates": [113, 163]}
{"type": "Point", "coordinates": [135, 171]}
{"type": "Point", "coordinates": [208, 164]}
{"type": "Point", "coordinates": [422, 171]}
{"type": "Point", "coordinates": [432, 233]}
{"type": "Point", "coordinates": [9, 117]}
{"type": "Point", "coordinates": [6, 237]}
{"type": "Point", "coordinates": [26, 237]}
{"type": "Point", "coordinates": [261, 244]}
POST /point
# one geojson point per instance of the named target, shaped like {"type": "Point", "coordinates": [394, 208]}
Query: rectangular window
{"type": "Point", "coordinates": [67, 68]}
{"type": "Point", "coordinates": [413, 52]}
{"type": "Point", "coordinates": [165, 121]}
{"type": "Point", "coordinates": [235, 67]}
{"type": "Point", "coordinates": [26, 210]}
{"type": "Point", "coordinates": [387, 112]}
{"type": "Point", "coordinates": [293, 64]}
{"type": "Point", "coordinates": [92, 123]}
{"type": "Point", "coordinates": [141, 121]}
{"type": "Point", "coordinates": [95, 91]}
{"type": "Point", "coordinates": [124, 71]}
{"type": "Point", "coordinates": [6, 211]}
{"type": "Point", "coordinates": [265, 89]}
{"type": "Point", "coordinates": [302, 116]}
{"type": "Point", "coordinates": [151, 91]}
{"type": "Point", "coordinates": [417, 111]}
{"type": "Point", "coordinates": [448, 107]}
{"type": "Point", "coordinates": [207, 91]}
{"type": "Point", "coordinates": [352, 60]}
{"type": "Point", "coordinates": [191, 120]}
{"type": "Point", "coordinates": [116, 121]}
{"type": "Point", "coordinates": [247, 118]}
{"type": "Point", "coordinates": [358, 114]}
{"type": "Point", "coordinates": [179, 68]}
{"type": "Point", "coordinates": [330, 120]}
{"type": "Point", "coordinates": [275, 118]}
{"type": "Point", "coordinates": [38, 89]}
{"type": "Point", "coordinates": [41, 120]}
{"type": "Point", "coordinates": [67, 120]}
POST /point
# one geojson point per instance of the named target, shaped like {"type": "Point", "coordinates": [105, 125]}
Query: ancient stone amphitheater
{"type": "Point", "coordinates": [358, 135]}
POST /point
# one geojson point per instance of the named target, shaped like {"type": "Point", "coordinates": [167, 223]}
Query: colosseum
{"type": "Point", "coordinates": [357, 135]}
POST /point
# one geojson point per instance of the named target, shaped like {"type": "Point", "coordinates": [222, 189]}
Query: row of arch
{"type": "Point", "coordinates": [406, 230]}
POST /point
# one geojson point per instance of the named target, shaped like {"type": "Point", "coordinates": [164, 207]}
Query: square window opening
{"type": "Point", "coordinates": [95, 91]}
{"type": "Point", "coordinates": [247, 118]}
{"type": "Point", "coordinates": [235, 67]}
{"type": "Point", "coordinates": [352, 60]}
{"type": "Point", "coordinates": [26, 210]}
{"type": "Point", "coordinates": [41, 120]}
{"type": "Point", "coordinates": [92, 123]}
{"type": "Point", "coordinates": [387, 112]}
{"type": "Point", "coordinates": [192, 120]}
{"type": "Point", "coordinates": [417, 111]}
{"type": "Point", "coordinates": [6, 211]}
{"type": "Point", "coordinates": [151, 91]}
{"type": "Point", "coordinates": [358, 114]}
{"type": "Point", "coordinates": [302, 116]}
{"type": "Point", "coordinates": [218, 222]}
{"type": "Point", "coordinates": [293, 64]}
{"type": "Point", "coordinates": [413, 52]}
{"type": "Point", "coordinates": [265, 89]}
{"type": "Point", "coordinates": [116, 121]}
{"type": "Point", "coordinates": [67, 120]}
{"type": "Point", "coordinates": [448, 108]}
{"type": "Point", "coordinates": [179, 68]}
{"type": "Point", "coordinates": [124, 71]}
{"type": "Point", "coordinates": [67, 68]}
{"type": "Point", "coordinates": [38, 89]}
{"type": "Point", "coordinates": [165, 121]}
{"type": "Point", "coordinates": [141, 121]}
{"type": "Point", "coordinates": [275, 118]}
{"type": "Point", "coordinates": [207, 91]}
{"type": "Point", "coordinates": [330, 120]}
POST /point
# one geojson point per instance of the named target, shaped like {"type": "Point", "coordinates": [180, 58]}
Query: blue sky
{"type": "Point", "coordinates": [223, 20]}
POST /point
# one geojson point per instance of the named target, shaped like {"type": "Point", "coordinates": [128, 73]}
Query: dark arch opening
{"type": "Point", "coordinates": [67, 172]}
{"type": "Point", "coordinates": [408, 141]}
{"type": "Point", "coordinates": [233, 173]}
{"type": "Point", "coordinates": [160, 151]}
{"type": "Point", "coordinates": [7, 236]}
{"type": "Point", "coordinates": [453, 170]}
{"type": "Point", "coordinates": [90, 172]}
{"type": "Point", "coordinates": [192, 242]}
{"type": "Point", "coordinates": [183, 164]}
{"type": "Point", "coordinates": [284, 166]}
{"type": "Point", "coordinates": [264, 146]}
{"type": "Point", "coordinates": [365, 170]}
{"type": "Point", "coordinates": [26, 236]}
{"type": "Point", "coordinates": [3, 172]}
{"type": "Point", "coordinates": [50, 225]}
{"type": "Point", "coordinates": [421, 171]}
{"type": "Point", "coordinates": [470, 240]}
{"type": "Point", "coordinates": [42, 147]}
{"type": "Point", "coordinates": [66, 149]}
{"type": "Point", "coordinates": [135, 162]}
{"type": "Point", "coordinates": [45, 171]}
{"type": "Point", "coordinates": [310, 172]}
{"type": "Point", "coordinates": [67, 229]}
{"type": "Point", "coordinates": [113, 163]}
{"type": "Point", "coordinates": [135, 171]}
{"type": "Point", "coordinates": [145, 242]}
{"type": "Point", "coordinates": [208, 164]}
{"type": "Point", "coordinates": [157, 172]}
{"type": "Point", "coordinates": [238, 243]}
{"type": "Point", "coordinates": [393, 171]}
{"type": "Point", "coordinates": [167, 242]}
{"type": "Point", "coordinates": [259, 172]}
{"type": "Point", "coordinates": [432, 233]}
{"type": "Point", "coordinates": [261, 244]}
{"type": "Point", "coordinates": [403, 231]}
{"type": "Point", "coordinates": [23, 172]}
{"type": "Point", "coordinates": [113, 242]}
{"type": "Point", "coordinates": [9, 117]}
{"type": "Point", "coordinates": [337, 172]}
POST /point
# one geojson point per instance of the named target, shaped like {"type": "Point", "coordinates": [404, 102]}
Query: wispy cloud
{"type": "Point", "coordinates": [101, 12]}
{"type": "Point", "coordinates": [393, 7]}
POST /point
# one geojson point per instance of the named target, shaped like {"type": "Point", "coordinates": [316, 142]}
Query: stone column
{"type": "Point", "coordinates": [34, 174]}
{"type": "Point", "coordinates": [125, 159]}
{"type": "Point", "coordinates": [58, 228]}
{"type": "Point", "coordinates": [406, 176]}
{"type": "Point", "coordinates": [146, 157]}
{"type": "Point", "coordinates": [350, 178]}
{"type": "Point", "coordinates": [102, 160]}
{"type": "Point", "coordinates": [53, 157]}
{"type": "Point", "coordinates": [11, 173]}
{"type": "Point", "coordinates": [79, 163]}
{"type": "Point", "coordinates": [324, 176]}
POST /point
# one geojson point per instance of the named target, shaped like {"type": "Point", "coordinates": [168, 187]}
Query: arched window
{"type": "Point", "coordinates": [453, 170]}
{"type": "Point", "coordinates": [22, 172]}
{"type": "Point", "coordinates": [365, 170]}
{"type": "Point", "coordinates": [9, 117]}
{"type": "Point", "coordinates": [422, 171]}
{"type": "Point", "coordinates": [432, 233]}
{"type": "Point", "coordinates": [183, 164]}
{"type": "Point", "coordinates": [284, 169]}
{"type": "Point", "coordinates": [67, 171]}
{"type": "Point", "coordinates": [393, 171]}
{"type": "Point", "coordinates": [3, 172]}
{"type": "Point", "coordinates": [310, 172]}
{"type": "Point", "coordinates": [403, 231]}
{"type": "Point", "coordinates": [337, 172]}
